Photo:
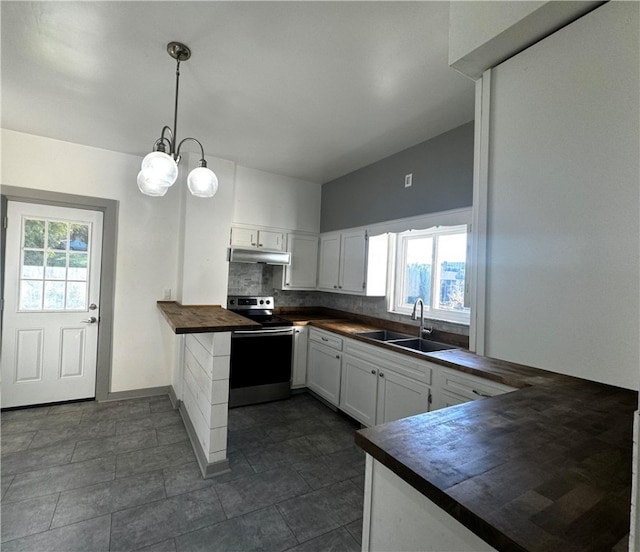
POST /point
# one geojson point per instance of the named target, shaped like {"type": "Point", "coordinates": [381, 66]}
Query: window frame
{"type": "Point", "coordinates": [397, 274]}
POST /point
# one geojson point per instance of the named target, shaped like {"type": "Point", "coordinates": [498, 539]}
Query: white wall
{"type": "Point", "coordinates": [266, 199]}
{"type": "Point", "coordinates": [563, 223]}
{"type": "Point", "coordinates": [147, 243]}
{"type": "Point", "coordinates": [206, 226]}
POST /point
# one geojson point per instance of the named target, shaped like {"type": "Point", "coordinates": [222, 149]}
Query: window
{"type": "Point", "coordinates": [431, 265]}
{"type": "Point", "coordinates": [55, 265]}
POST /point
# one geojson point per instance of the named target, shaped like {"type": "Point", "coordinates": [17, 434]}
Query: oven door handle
{"type": "Point", "coordinates": [257, 333]}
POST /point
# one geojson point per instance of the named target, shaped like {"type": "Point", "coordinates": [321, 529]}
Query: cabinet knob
{"type": "Point", "coordinates": [335, 287]}
{"type": "Point", "coordinates": [381, 375]}
{"type": "Point", "coordinates": [339, 287]}
{"type": "Point", "coordinates": [337, 356]}
{"type": "Point", "coordinates": [373, 372]}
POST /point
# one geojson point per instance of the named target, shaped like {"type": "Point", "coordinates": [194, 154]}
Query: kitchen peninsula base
{"type": "Point", "coordinates": [398, 517]}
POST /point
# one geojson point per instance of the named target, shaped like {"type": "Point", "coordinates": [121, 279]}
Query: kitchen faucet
{"type": "Point", "coordinates": [420, 302]}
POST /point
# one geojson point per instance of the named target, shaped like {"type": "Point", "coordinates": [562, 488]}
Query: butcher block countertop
{"type": "Point", "coordinates": [546, 468]}
{"type": "Point", "coordinates": [202, 318]}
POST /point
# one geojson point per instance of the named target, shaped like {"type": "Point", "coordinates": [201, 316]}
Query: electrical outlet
{"type": "Point", "coordinates": [408, 180]}
{"type": "Point", "coordinates": [167, 294]}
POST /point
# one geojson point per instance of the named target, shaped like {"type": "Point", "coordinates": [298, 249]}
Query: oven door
{"type": "Point", "coordinates": [260, 365]}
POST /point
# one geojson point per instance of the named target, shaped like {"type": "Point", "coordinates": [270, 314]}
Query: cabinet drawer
{"type": "Point", "coordinates": [402, 364]}
{"type": "Point", "coordinates": [469, 386]}
{"type": "Point", "coordinates": [326, 338]}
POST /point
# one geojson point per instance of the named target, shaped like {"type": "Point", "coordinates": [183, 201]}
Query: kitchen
{"type": "Point", "coordinates": [147, 361]}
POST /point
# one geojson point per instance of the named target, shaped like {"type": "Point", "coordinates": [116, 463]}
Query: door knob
{"type": "Point", "coordinates": [93, 306]}
{"type": "Point", "coordinates": [91, 320]}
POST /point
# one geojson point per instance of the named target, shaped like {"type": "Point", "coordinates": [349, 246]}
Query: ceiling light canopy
{"type": "Point", "coordinates": [160, 168]}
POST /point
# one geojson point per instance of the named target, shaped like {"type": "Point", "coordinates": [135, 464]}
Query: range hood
{"type": "Point", "coordinates": [237, 255]}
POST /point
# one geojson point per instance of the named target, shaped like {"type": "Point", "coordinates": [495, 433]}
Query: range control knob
{"type": "Point", "coordinates": [232, 301]}
{"type": "Point", "coordinates": [262, 301]}
{"type": "Point", "coordinates": [268, 301]}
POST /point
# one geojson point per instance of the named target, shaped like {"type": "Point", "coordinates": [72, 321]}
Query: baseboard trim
{"type": "Point", "coordinates": [175, 401]}
{"type": "Point", "coordinates": [137, 393]}
{"type": "Point", "coordinates": [208, 469]}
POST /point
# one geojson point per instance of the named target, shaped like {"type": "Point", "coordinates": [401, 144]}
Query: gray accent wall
{"type": "Point", "coordinates": [442, 170]}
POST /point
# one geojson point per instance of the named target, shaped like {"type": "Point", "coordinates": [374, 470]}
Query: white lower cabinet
{"type": "Point", "coordinates": [455, 387]}
{"type": "Point", "coordinates": [324, 364]}
{"type": "Point", "coordinates": [300, 347]}
{"type": "Point", "coordinates": [399, 397]}
{"type": "Point", "coordinates": [359, 389]}
{"type": "Point", "coordinates": [376, 387]}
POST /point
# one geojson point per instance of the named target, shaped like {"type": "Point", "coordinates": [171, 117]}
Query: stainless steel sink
{"type": "Point", "coordinates": [422, 345]}
{"type": "Point", "coordinates": [384, 335]}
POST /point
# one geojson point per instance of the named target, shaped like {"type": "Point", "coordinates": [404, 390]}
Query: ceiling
{"type": "Point", "coordinates": [311, 90]}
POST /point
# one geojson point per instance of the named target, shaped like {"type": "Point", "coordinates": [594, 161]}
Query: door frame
{"type": "Point", "coordinates": [109, 209]}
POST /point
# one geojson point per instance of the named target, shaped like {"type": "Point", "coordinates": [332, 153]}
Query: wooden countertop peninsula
{"type": "Point", "coordinates": [546, 468]}
{"type": "Point", "coordinates": [202, 318]}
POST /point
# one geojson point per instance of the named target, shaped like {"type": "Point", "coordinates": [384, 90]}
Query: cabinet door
{"type": "Point", "coordinates": [300, 343]}
{"type": "Point", "coordinates": [328, 272]}
{"type": "Point", "coordinates": [399, 397]}
{"type": "Point", "coordinates": [244, 237]}
{"type": "Point", "coordinates": [352, 262]}
{"type": "Point", "coordinates": [273, 241]}
{"type": "Point", "coordinates": [302, 272]}
{"type": "Point", "coordinates": [323, 372]}
{"type": "Point", "coordinates": [358, 392]}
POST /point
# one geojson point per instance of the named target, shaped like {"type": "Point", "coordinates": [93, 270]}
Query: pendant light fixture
{"type": "Point", "coordinates": [160, 167]}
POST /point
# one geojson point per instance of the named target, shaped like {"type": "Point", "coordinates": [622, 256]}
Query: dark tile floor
{"type": "Point", "coordinates": [122, 476]}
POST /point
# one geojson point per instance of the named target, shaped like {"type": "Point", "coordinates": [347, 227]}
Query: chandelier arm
{"type": "Point", "coordinates": [203, 163]}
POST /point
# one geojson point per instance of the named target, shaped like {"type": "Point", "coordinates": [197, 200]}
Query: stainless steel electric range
{"type": "Point", "coordinates": [261, 358]}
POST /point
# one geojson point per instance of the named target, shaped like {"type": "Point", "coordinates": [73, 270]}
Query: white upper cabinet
{"type": "Point", "coordinates": [302, 272]}
{"type": "Point", "coordinates": [329, 268]}
{"type": "Point", "coordinates": [353, 262]}
{"type": "Point", "coordinates": [255, 238]}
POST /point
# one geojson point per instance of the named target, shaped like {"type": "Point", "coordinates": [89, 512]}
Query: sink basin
{"type": "Point", "coordinates": [384, 335]}
{"type": "Point", "coordinates": [422, 345]}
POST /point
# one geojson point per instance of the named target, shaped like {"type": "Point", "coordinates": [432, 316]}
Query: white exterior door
{"type": "Point", "coordinates": [51, 314]}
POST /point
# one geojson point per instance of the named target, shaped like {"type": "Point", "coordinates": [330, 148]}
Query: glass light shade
{"type": "Point", "coordinates": [160, 168]}
{"type": "Point", "coordinates": [150, 188]}
{"type": "Point", "coordinates": [202, 182]}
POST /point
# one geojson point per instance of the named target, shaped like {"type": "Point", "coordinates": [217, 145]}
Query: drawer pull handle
{"type": "Point", "coordinates": [324, 339]}
{"type": "Point", "coordinates": [480, 394]}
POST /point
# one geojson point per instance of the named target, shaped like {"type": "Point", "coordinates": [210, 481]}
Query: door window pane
{"type": "Point", "coordinates": [34, 233]}
{"type": "Point", "coordinates": [58, 235]}
{"type": "Point", "coordinates": [76, 296]}
{"type": "Point", "coordinates": [33, 265]}
{"type": "Point", "coordinates": [78, 266]}
{"type": "Point", "coordinates": [79, 237]}
{"type": "Point", "coordinates": [56, 266]}
{"type": "Point", "coordinates": [31, 295]}
{"type": "Point", "coordinates": [53, 295]}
